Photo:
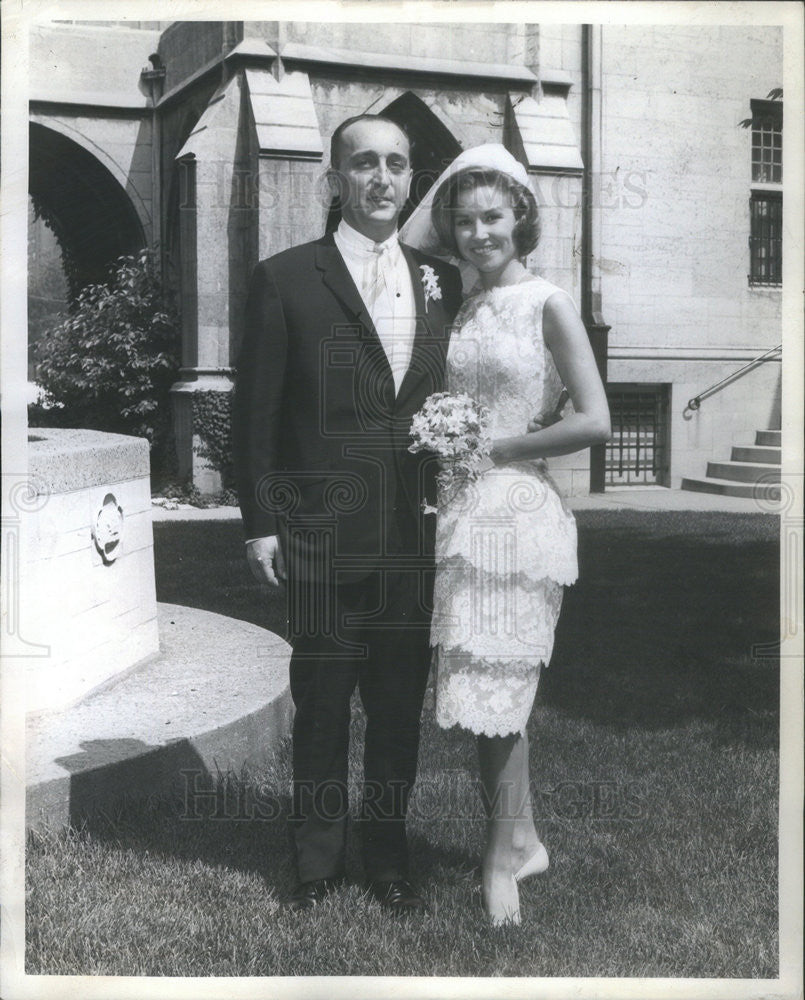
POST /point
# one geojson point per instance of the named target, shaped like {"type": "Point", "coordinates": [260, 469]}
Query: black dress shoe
{"type": "Point", "coordinates": [397, 895]}
{"type": "Point", "coordinates": [309, 894]}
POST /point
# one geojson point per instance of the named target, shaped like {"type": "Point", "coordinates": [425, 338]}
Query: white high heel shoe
{"type": "Point", "coordinates": [536, 864]}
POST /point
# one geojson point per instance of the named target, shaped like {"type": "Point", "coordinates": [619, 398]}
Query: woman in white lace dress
{"type": "Point", "coordinates": [506, 544]}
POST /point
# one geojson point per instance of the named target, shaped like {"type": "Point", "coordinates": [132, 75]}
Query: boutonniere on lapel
{"type": "Point", "coordinates": [430, 283]}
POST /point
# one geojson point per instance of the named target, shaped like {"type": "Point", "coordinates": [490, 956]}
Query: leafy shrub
{"type": "Point", "coordinates": [110, 363]}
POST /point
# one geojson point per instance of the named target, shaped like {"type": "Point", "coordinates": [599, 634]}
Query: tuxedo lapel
{"type": "Point", "coordinates": [373, 376]}
{"type": "Point", "coordinates": [423, 326]}
{"type": "Point", "coordinates": [336, 276]}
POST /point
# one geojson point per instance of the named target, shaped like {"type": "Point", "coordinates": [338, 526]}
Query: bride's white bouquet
{"type": "Point", "coordinates": [454, 427]}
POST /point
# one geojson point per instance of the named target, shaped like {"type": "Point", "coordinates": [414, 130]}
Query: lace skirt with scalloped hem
{"type": "Point", "coordinates": [493, 636]}
{"type": "Point", "coordinates": [489, 698]}
{"type": "Point", "coordinates": [509, 618]}
{"type": "Point", "coordinates": [512, 521]}
{"type": "Point", "coordinates": [505, 548]}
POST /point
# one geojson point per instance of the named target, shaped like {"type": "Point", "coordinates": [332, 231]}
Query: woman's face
{"type": "Point", "coordinates": [483, 227]}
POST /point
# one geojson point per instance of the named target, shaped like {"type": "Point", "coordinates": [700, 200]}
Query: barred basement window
{"type": "Point", "coordinates": [766, 241]}
{"type": "Point", "coordinates": [637, 454]}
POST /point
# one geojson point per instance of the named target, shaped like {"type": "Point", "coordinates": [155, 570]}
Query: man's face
{"type": "Point", "coordinates": [375, 168]}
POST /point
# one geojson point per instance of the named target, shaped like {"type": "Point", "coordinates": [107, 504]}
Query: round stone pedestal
{"type": "Point", "coordinates": [88, 601]}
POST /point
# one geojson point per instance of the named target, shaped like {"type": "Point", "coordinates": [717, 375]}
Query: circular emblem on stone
{"type": "Point", "coordinates": [107, 529]}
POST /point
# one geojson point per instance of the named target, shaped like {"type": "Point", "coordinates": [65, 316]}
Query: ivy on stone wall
{"type": "Point", "coordinates": [212, 422]}
{"type": "Point", "coordinates": [71, 270]}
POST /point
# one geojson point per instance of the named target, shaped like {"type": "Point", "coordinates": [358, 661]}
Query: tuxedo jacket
{"type": "Point", "coordinates": [320, 438]}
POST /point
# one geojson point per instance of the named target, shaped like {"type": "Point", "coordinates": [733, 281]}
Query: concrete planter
{"type": "Point", "coordinates": [87, 572]}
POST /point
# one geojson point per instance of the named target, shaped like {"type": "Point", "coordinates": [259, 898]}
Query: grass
{"type": "Point", "coordinates": [654, 769]}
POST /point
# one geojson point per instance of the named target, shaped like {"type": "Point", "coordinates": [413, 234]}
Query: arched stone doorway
{"type": "Point", "coordinates": [89, 221]}
{"type": "Point", "coordinates": [433, 148]}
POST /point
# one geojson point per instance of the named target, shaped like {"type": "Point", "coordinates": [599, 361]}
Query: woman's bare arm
{"type": "Point", "coordinates": [589, 424]}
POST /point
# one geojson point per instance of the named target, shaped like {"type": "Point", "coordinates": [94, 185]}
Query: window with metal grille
{"type": "Point", "coordinates": [637, 454]}
{"type": "Point", "coordinates": [766, 239]}
{"type": "Point", "coordinates": [766, 201]}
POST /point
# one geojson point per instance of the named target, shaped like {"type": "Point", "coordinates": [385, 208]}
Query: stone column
{"type": "Point", "coordinates": [251, 166]}
{"type": "Point", "coordinates": [219, 249]}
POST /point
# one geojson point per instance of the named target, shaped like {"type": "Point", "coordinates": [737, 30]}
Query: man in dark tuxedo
{"type": "Point", "coordinates": [345, 339]}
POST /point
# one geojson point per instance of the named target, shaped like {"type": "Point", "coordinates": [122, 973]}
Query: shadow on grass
{"type": "Point", "coordinates": [663, 627]}
{"type": "Point", "coordinates": [237, 822]}
{"type": "Point", "coordinates": [674, 616]}
{"type": "Point", "coordinates": [202, 564]}
{"type": "Point", "coordinates": [241, 824]}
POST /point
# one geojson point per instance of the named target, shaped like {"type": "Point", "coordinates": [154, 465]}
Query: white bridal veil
{"type": "Point", "coordinates": [419, 230]}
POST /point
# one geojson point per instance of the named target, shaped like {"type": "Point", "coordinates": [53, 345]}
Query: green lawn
{"type": "Point", "coordinates": [654, 768]}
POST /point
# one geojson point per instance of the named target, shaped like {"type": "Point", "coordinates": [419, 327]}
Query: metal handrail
{"type": "Point", "coordinates": [696, 402]}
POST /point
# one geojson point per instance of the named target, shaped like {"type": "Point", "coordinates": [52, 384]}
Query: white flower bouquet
{"type": "Point", "coordinates": [453, 427]}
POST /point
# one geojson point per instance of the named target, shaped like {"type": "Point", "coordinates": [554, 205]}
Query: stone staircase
{"type": "Point", "coordinates": [752, 470]}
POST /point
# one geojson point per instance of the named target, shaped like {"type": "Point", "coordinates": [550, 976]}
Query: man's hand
{"type": "Point", "coordinates": [551, 418]}
{"type": "Point", "coordinates": [265, 560]}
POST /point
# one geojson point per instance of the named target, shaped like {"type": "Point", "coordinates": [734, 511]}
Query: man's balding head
{"type": "Point", "coordinates": [335, 140]}
{"type": "Point", "coordinates": [370, 172]}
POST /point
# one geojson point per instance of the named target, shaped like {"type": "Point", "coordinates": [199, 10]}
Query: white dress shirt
{"type": "Point", "coordinates": [380, 272]}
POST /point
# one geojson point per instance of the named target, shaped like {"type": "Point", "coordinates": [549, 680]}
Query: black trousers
{"type": "Point", "coordinates": [373, 633]}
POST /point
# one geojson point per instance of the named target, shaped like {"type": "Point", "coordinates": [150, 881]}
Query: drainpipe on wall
{"type": "Point", "coordinates": [155, 79]}
{"type": "Point", "coordinates": [597, 329]}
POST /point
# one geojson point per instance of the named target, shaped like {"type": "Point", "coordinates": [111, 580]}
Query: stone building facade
{"type": "Point", "coordinates": [676, 269]}
{"type": "Point", "coordinates": [211, 139]}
